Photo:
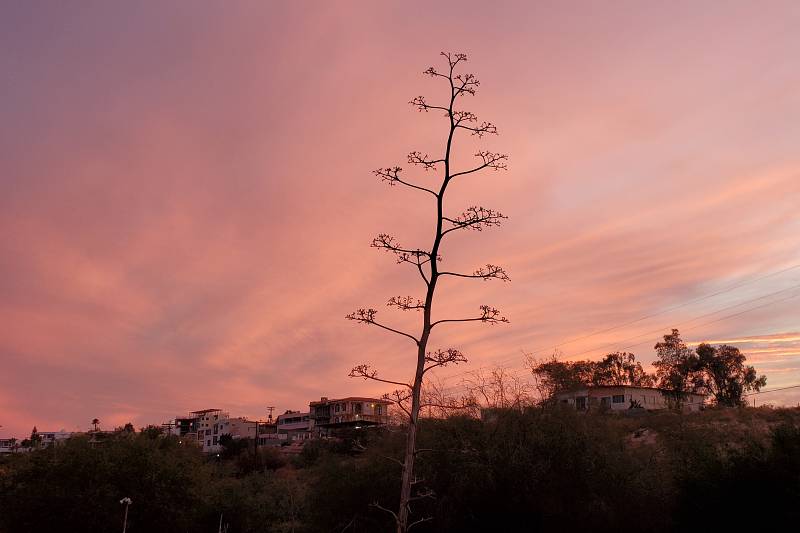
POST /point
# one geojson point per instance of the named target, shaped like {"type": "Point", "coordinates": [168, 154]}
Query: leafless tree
{"type": "Point", "coordinates": [425, 261]}
{"type": "Point", "coordinates": [499, 388]}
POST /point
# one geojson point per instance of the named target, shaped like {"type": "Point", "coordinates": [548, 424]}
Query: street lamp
{"type": "Point", "coordinates": [127, 503]}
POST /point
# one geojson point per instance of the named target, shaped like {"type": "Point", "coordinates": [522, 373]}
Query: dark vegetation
{"type": "Point", "coordinates": [535, 469]}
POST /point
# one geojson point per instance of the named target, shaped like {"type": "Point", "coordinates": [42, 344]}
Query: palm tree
{"type": "Point", "coordinates": [95, 422]}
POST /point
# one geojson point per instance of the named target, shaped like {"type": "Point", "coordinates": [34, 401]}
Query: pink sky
{"type": "Point", "coordinates": [186, 200]}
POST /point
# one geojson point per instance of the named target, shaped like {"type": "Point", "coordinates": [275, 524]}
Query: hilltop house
{"type": "Point", "coordinates": [294, 425]}
{"type": "Point", "coordinates": [622, 397]}
{"type": "Point", "coordinates": [328, 415]}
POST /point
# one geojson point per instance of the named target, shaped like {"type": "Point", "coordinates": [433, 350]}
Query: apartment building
{"type": "Point", "coordinates": [328, 415]}
{"type": "Point", "coordinates": [208, 428]}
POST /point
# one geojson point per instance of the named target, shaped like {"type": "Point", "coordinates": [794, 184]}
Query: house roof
{"type": "Point", "coordinates": [595, 387]}
{"type": "Point", "coordinates": [350, 399]}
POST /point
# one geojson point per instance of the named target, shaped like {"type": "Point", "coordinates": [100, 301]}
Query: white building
{"type": "Point", "coordinates": [295, 425]}
{"type": "Point", "coordinates": [623, 397]}
{"type": "Point", "coordinates": [208, 428]}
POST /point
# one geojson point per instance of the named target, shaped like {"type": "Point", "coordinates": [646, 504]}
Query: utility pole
{"type": "Point", "coordinates": [168, 426]}
{"type": "Point", "coordinates": [270, 409]}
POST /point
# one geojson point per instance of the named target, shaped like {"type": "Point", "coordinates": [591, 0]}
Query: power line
{"type": "Point", "coordinates": [668, 309]}
{"type": "Point", "coordinates": [702, 316]}
{"type": "Point", "coordinates": [772, 390]}
{"type": "Point", "coordinates": [717, 293]}
{"type": "Point", "coordinates": [616, 343]}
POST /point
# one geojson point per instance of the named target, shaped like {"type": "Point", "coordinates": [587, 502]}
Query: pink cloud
{"type": "Point", "coordinates": [185, 211]}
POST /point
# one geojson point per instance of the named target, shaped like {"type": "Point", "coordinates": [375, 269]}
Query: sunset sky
{"type": "Point", "coordinates": [186, 197]}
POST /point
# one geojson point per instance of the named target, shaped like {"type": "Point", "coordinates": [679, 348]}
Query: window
{"type": "Point", "coordinates": [605, 400]}
{"type": "Point", "coordinates": [580, 402]}
{"type": "Point", "coordinates": [214, 440]}
{"type": "Point", "coordinates": [208, 442]}
{"type": "Point", "coordinates": [357, 407]}
{"type": "Point", "coordinates": [618, 398]}
{"type": "Point", "coordinates": [378, 410]}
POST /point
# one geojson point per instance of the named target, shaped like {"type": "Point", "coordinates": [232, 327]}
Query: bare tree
{"type": "Point", "coordinates": [426, 262]}
{"type": "Point", "coordinates": [498, 388]}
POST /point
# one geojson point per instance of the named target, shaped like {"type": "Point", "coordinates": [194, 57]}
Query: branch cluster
{"type": "Point", "coordinates": [425, 161]}
{"type": "Point", "coordinates": [493, 160]}
{"type": "Point", "coordinates": [476, 218]}
{"type": "Point", "coordinates": [488, 314]}
{"type": "Point", "coordinates": [491, 315]}
{"type": "Point", "coordinates": [367, 316]}
{"type": "Point", "coordinates": [415, 256]}
{"type": "Point", "coordinates": [391, 175]}
{"type": "Point", "coordinates": [491, 272]}
{"type": "Point", "coordinates": [485, 273]}
{"type": "Point", "coordinates": [444, 358]}
{"type": "Point", "coordinates": [367, 372]}
{"type": "Point", "coordinates": [406, 303]}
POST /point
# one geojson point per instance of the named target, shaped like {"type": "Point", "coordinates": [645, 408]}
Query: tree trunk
{"type": "Point", "coordinates": [411, 439]}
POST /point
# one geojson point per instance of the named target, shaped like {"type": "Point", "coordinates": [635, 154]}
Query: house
{"type": "Point", "coordinates": [623, 397]}
{"type": "Point", "coordinates": [295, 425]}
{"type": "Point", "coordinates": [9, 445]}
{"type": "Point", "coordinates": [328, 415]}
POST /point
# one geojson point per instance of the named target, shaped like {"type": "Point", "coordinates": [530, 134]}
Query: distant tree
{"type": "Point", "coordinates": [676, 367]}
{"type": "Point", "coordinates": [552, 376]}
{"type": "Point", "coordinates": [151, 432]}
{"type": "Point", "coordinates": [425, 261]}
{"type": "Point", "coordinates": [95, 423]}
{"type": "Point", "coordinates": [621, 368]}
{"type": "Point", "coordinates": [724, 374]}
{"type": "Point", "coordinates": [35, 439]}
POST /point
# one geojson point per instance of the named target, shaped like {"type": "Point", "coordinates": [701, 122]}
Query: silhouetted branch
{"type": "Point", "coordinates": [416, 158]}
{"type": "Point", "coordinates": [443, 358]}
{"type": "Point", "coordinates": [379, 506]}
{"type": "Point", "coordinates": [465, 84]}
{"type": "Point", "coordinates": [484, 129]}
{"type": "Point", "coordinates": [490, 160]}
{"type": "Point", "coordinates": [422, 105]}
{"type": "Point", "coordinates": [461, 119]}
{"type": "Point", "coordinates": [476, 218]}
{"type": "Point", "coordinates": [367, 316]}
{"type": "Point", "coordinates": [406, 303]}
{"type": "Point", "coordinates": [484, 273]}
{"type": "Point", "coordinates": [488, 314]}
{"type": "Point", "coordinates": [367, 372]}
{"type": "Point", "coordinates": [392, 176]}
{"type": "Point", "coordinates": [415, 256]}
{"type": "Point", "coordinates": [399, 397]}
{"type": "Point", "coordinates": [420, 521]}
{"type": "Point", "coordinates": [451, 404]}
{"type": "Point", "coordinates": [454, 58]}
